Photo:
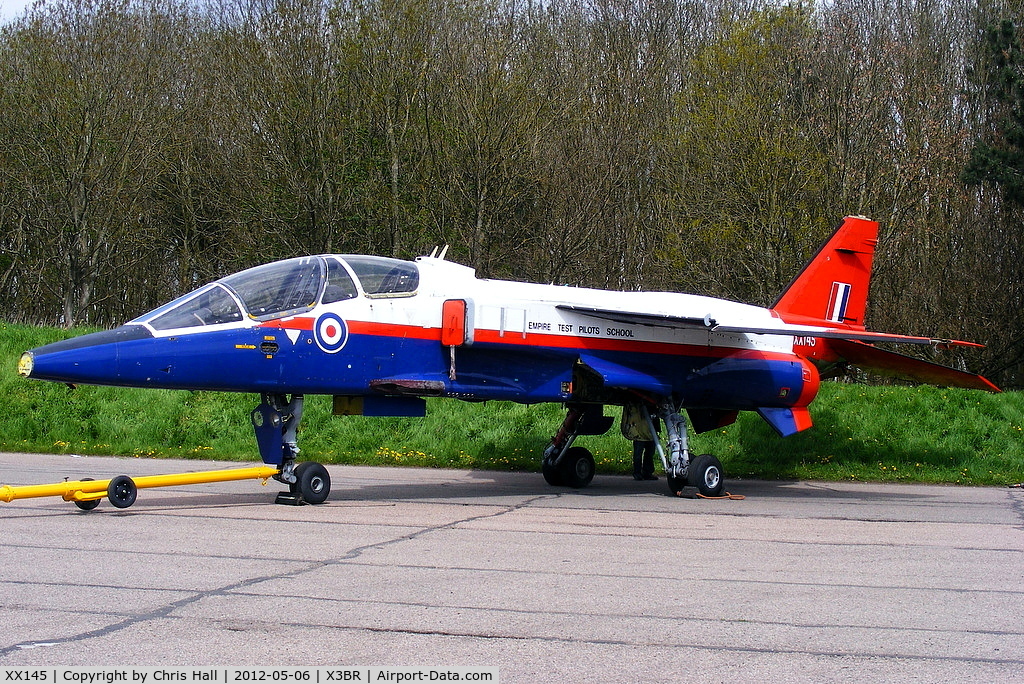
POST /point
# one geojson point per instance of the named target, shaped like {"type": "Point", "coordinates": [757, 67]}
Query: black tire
{"type": "Point", "coordinates": [312, 482]}
{"type": "Point", "coordinates": [552, 475]}
{"type": "Point", "coordinates": [122, 491]}
{"type": "Point", "coordinates": [706, 475]}
{"type": "Point", "coordinates": [676, 484]}
{"type": "Point", "coordinates": [91, 503]}
{"type": "Point", "coordinates": [577, 468]}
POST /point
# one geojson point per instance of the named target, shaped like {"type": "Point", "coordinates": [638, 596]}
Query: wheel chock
{"type": "Point", "coordinates": [289, 499]}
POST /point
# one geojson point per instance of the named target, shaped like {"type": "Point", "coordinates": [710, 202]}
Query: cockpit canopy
{"type": "Point", "coordinates": [286, 288]}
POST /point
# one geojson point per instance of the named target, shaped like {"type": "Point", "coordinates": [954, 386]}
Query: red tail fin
{"type": "Point", "coordinates": [833, 286]}
{"type": "Point", "coordinates": [832, 291]}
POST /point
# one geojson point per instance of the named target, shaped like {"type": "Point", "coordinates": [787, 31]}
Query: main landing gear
{"type": "Point", "coordinates": [706, 475]}
{"type": "Point", "coordinates": [568, 465]}
{"type": "Point", "coordinates": [573, 466]}
{"type": "Point", "coordinates": [703, 472]}
{"type": "Point", "coordinates": [276, 423]}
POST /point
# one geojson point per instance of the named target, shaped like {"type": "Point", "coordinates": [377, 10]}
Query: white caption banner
{"type": "Point", "coordinates": [244, 675]}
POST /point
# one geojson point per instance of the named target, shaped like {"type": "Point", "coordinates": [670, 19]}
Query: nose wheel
{"type": "Point", "coordinates": [312, 482]}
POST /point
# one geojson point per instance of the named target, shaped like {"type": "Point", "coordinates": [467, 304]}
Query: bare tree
{"type": "Point", "coordinates": [88, 143]}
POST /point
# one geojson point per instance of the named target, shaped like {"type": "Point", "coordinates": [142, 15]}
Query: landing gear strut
{"type": "Point", "coordinates": [276, 424]}
{"type": "Point", "coordinates": [677, 462]}
{"type": "Point", "coordinates": [568, 465]}
{"type": "Point", "coordinates": [703, 472]}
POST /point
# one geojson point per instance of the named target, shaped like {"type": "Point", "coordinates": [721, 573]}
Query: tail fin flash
{"type": "Point", "coordinates": [833, 286]}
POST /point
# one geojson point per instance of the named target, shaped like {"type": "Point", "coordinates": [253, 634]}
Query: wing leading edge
{"type": "Point", "coordinates": [711, 325]}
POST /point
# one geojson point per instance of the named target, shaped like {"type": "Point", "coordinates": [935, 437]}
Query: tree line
{"type": "Point", "coordinates": [150, 146]}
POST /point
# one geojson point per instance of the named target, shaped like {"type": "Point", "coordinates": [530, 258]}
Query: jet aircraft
{"type": "Point", "coordinates": [380, 335]}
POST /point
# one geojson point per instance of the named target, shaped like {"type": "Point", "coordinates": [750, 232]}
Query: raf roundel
{"type": "Point", "coordinates": [331, 333]}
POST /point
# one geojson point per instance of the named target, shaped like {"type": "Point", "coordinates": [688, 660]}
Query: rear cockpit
{"type": "Point", "coordinates": [286, 288]}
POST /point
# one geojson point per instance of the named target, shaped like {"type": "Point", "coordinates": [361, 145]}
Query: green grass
{"type": "Point", "coordinates": [905, 434]}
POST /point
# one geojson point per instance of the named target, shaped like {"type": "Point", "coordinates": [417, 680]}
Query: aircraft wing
{"type": "Point", "coordinates": [899, 365]}
{"type": "Point", "coordinates": [844, 334]}
{"type": "Point", "coordinates": [636, 318]}
{"type": "Point", "coordinates": [711, 325]}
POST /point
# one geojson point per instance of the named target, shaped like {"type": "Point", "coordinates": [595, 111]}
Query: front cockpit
{"type": "Point", "coordinates": [286, 288]}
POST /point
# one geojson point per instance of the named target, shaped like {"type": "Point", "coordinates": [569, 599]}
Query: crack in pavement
{"type": "Point", "coordinates": [195, 597]}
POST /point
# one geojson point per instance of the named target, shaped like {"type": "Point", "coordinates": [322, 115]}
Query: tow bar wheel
{"type": "Point", "coordinates": [88, 504]}
{"type": "Point", "coordinates": [122, 491]}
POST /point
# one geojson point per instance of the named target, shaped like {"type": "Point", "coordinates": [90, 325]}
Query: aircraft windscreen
{"type": "Point", "coordinates": [211, 305]}
{"type": "Point", "coordinates": [285, 288]}
{"type": "Point", "coordinates": [381, 276]}
{"type": "Point", "coordinates": [280, 288]}
{"type": "Point", "coordinates": [339, 283]}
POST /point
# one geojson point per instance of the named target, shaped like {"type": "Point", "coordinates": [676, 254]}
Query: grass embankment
{"type": "Point", "coordinates": [920, 434]}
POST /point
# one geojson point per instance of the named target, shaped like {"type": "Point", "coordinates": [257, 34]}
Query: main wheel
{"type": "Point", "coordinates": [706, 475]}
{"type": "Point", "coordinates": [91, 503]}
{"type": "Point", "coordinates": [312, 482]}
{"type": "Point", "coordinates": [577, 468]}
{"type": "Point", "coordinates": [122, 491]}
{"type": "Point", "coordinates": [552, 475]}
{"type": "Point", "coordinates": [676, 484]}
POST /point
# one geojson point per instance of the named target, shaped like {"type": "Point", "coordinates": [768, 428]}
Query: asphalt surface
{"type": "Point", "coordinates": [619, 582]}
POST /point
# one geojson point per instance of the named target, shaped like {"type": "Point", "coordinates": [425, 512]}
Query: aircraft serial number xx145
{"type": "Point", "coordinates": [381, 334]}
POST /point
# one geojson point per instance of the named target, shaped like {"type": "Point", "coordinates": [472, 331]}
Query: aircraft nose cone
{"type": "Point", "coordinates": [25, 365]}
{"type": "Point", "coordinates": [89, 359]}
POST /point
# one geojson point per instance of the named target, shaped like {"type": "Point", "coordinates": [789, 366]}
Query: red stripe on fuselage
{"type": "Point", "coordinates": [297, 323]}
{"type": "Point", "coordinates": [405, 332]}
{"type": "Point", "coordinates": [621, 345]}
{"type": "Point", "coordinates": [374, 328]}
{"type": "Point", "coordinates": [545, 340]}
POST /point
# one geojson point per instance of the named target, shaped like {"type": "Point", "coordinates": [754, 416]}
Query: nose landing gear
{"type": "Point", "coordinates": [276, 424]}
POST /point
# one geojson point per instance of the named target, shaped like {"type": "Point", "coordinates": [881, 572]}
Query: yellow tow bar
{"type": "Point", "coordinates": [122, 490]}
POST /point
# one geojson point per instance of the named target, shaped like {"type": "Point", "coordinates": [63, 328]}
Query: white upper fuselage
{"type": "Point", "coordinates": [530, 309]}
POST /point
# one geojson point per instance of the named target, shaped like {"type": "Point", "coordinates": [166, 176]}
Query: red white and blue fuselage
{"type": "Point", "coordinates": [385, 333]}
{"type": "Point", "coordinates": [515, 341]}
